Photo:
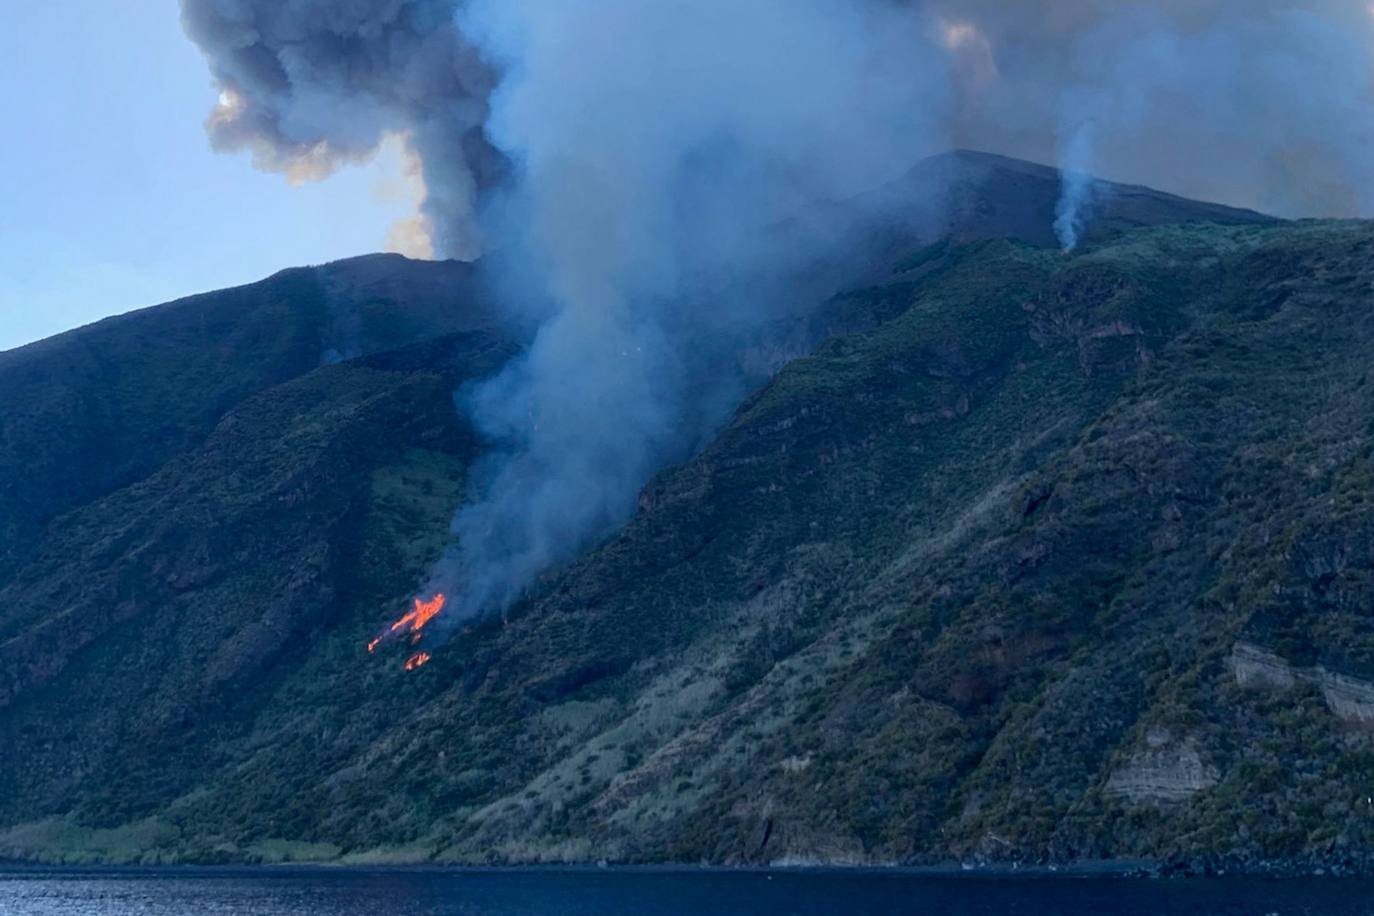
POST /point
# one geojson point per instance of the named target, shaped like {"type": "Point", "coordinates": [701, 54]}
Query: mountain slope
{"type": "Point", "coordinates": [990, 581]}
{"type": "Point", "coordinates": [87, 412]}
{"type": "Point", "coordinates": [964, 196]}
{"type": "Point", "coordinates": [98, 408]}
{"type": "Point", "coordinates": [992, 196]}
{"type": "Point", "coordinates": [173, 597]}
{"type": "Point", "coordinates": [1039, 557]}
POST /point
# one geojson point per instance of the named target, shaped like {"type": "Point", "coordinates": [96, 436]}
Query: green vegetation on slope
{"type": "Point", "coordinates": [1067, 557]}
{"type": "Point", "coordinates": [100, 408]}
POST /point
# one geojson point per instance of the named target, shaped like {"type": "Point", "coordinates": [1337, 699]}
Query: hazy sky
{"type": "Point", "coordinates": [110, 197]}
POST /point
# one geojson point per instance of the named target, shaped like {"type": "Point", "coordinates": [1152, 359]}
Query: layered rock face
{"type": "Point", "coordinates": [1349, 698]}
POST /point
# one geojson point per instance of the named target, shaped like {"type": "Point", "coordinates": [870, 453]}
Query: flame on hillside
{"type": "Point", "coordinates": [413, 623]}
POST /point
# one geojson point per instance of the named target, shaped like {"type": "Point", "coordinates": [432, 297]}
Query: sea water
{"type": "Point", "coordinates": [632, 892]}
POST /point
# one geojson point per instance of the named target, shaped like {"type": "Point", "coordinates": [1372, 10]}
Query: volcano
{"type": "Point", "coordinates": [1027, 557]}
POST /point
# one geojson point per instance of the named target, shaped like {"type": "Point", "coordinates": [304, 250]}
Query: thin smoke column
{"type": "Point", "coordinates": [310, 85]}
{"type": "Point", "coordinates": [1074, 208]}
{"type": "Point", "coordinates": [1143, 57]}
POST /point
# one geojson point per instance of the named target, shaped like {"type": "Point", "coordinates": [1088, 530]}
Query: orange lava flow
{"type": "Point", "coordinates": [417, 660]}
{"type": "Point", "coordinates": [424, 612]}
{"type": "Point", "coordinates": [414, 622]}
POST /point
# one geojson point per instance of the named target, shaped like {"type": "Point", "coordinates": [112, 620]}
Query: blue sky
{"type": "Point", "coordinates": [110, 197]}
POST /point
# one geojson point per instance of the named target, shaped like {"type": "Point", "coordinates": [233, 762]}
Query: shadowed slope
{"type": "Point", "coordinates": [98, 408]}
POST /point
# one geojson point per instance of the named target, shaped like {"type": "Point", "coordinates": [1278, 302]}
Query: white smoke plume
{"type": "Point", "coordinates": [625, 158]}
{"type": "Point", "coordinates": [657, 142]}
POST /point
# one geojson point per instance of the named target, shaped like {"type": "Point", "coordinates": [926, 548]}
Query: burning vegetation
{"type": "Point", "coordinates": [413, 624]}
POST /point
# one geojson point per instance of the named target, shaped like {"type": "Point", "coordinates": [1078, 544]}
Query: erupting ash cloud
{"type": "Point", "coordinates": [626, 158]}
{"type": "Point", "coordinates": [307, 85]}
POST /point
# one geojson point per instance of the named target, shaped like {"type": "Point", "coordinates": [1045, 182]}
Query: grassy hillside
{"type": "Point", "coordinates": [1065, 557]}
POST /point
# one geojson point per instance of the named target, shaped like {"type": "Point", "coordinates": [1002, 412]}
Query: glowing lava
{"type": "Point", "coordinates": [418, 660]}
{"type": "Point", "coordinates": [424, 612]}
{"type": "Point", "coordinates": [414, 623]}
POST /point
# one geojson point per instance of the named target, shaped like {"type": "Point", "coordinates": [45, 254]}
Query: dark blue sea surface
{"type": "Point", "coordinates": [616, 892]}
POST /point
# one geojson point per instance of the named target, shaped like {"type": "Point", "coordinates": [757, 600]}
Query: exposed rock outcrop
{"type": "Point", "coordinates": [1350, 698]}
{"type": "Point", "coordinates": [1165, 770]}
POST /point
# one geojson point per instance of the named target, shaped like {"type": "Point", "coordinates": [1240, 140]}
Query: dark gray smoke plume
{"type": "Point", "coordinates": [645, 147]}
{"type": "Point", "coordinates": [307, 85]}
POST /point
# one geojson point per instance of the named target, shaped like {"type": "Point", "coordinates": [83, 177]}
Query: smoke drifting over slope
{"type": "Point", "coordinates": [645, 183]}
{"type": "Point", "coordinates": [625, 157]}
